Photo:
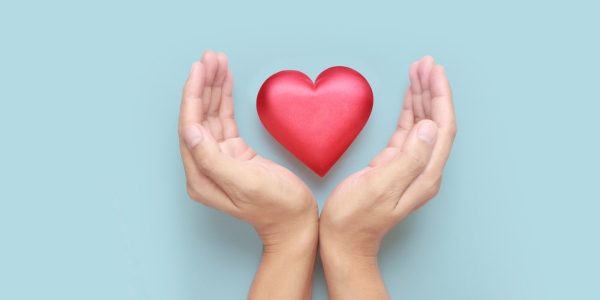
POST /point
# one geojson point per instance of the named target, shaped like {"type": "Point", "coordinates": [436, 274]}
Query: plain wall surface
{"type": "Point", "coordinates": [93, 202]}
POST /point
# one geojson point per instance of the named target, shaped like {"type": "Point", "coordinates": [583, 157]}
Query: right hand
{"type": "Point", "coordinates": [401, 179]}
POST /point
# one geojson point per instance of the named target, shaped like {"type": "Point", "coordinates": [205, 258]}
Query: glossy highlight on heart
{"type": "Point", "coordinates": [317, 121]}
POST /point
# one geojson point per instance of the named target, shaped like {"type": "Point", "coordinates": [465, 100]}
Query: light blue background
{"type": "Point", "coordinates": [93, 200]}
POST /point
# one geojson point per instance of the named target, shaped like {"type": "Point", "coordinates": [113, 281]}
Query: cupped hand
{"type": "Point", "coordinates": [223, 172]}
{"type": "Point", "coordinates": [402, 177]}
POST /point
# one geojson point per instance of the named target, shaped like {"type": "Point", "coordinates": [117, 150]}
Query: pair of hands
{"type": "Point", "coordinates": [224, 173]}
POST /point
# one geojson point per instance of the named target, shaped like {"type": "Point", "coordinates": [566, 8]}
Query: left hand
{"type": "Point", "coordinates": [223, 172]}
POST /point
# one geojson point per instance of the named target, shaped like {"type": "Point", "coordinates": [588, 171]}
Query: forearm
{"type": "Point", "coordinates": [352, 277]}
{"type": "Point", "coordinates": [287, 272]}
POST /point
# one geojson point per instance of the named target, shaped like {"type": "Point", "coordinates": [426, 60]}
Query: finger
{"type": "Point", "coordinates": [427, 185]}
{"type": "Point", "coordinates": [412, 159]}
{"type": "Point", "coordinates": [214, 123]}
{"type": "Point", "coordinates": [230, 129]}
{"type": "Point", "coordinates": [191, 101]}
{"type": "Point", "coordinates": [442, 113]}
{"type": "Point", "coordinates": [417, 92]}
{"type": "Point", "coordinates": [210, 62]}
{"type": "Point", "coordinates": [200, 187]}
{"type": "Point", "coordinates": [425, 66]}
{"type": "Point", "coordinates": [228, 173]}
{"type": "Point", "coordinates": [405, 122]}
{"type": "Point", "coordinates": [385, 156]}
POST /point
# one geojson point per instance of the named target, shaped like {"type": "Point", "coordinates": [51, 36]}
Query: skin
{"type": "Point", "coordinates": [224, 173]}
{"type": "Point", "coordinates": [364, 207]}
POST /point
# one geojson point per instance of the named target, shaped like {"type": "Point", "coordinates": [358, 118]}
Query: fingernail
{"type": "Point", "coordinates": [192, 136]}
{"type": "Point", "coordinates": [427, 132]}
{"type": "Point", "coordinates": [192, 68]}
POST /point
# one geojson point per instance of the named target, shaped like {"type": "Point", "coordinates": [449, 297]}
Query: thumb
{"type": "Point", "coordinates": [413, 158]}
{"type": "Point", "coordinates": [219, 167]}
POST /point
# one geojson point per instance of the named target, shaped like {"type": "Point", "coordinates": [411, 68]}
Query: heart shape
{"type": "Point", "coordinates": [317, 121]}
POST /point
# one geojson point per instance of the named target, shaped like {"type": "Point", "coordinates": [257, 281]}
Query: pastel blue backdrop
{"type": "Point", "coordinates": [92, 193]}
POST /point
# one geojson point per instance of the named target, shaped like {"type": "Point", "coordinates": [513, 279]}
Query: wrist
{"type": "Point", "coordinates": [342, 257]}
{"type": "Point", "coordinates": [299, 240]}
{"type": "Point", "coordinates": [286, 267]}
{"type": "Point", "coordinates": [350, 245]}
{"type": "Point", "coordinates": [352, 276]}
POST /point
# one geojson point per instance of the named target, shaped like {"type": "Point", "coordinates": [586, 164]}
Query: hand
{"type": "Point", "coordinates": [224, 173]}
{"type": "Point", "coordinates": [399, 180]}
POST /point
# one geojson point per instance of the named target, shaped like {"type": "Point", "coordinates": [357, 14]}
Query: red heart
{"type": "Point", "coordinates": [315, 122]}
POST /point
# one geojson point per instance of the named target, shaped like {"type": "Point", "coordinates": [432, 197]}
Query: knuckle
{"type": "Point", "coordinates": [212, 114]}
{"type": "Point", "coordinates": [415, 162]}
{"type": "Point", "coordinates": [226, 115]}
{"type": "Point", "coordinates": [207, 162]}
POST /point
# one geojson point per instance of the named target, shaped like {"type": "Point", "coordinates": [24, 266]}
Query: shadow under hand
{"type": "Point", "coordinates": [319, 283]}
{"type": "Point", "coordinates": [238, 237]}
{"type": "Point", "coordinates": [396, 240]}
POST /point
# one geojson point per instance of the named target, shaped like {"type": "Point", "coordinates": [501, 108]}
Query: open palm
{"type": "Point", "coordinates": [223, 171]}
{"type": "Point", "coordinates": [404, 175]}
